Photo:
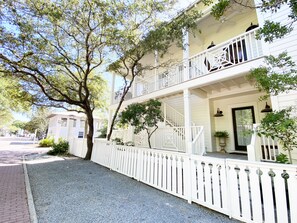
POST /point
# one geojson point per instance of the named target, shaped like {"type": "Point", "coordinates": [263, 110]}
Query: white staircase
{"type": "Point", "coordinates": [172, 136]}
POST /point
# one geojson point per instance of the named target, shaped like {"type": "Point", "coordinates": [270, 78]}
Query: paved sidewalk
{"type": "Point", "coordinates": [13, 197]}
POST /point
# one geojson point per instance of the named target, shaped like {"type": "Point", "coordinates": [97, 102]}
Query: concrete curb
{"type": "Point", "coordinates": [32, 212]}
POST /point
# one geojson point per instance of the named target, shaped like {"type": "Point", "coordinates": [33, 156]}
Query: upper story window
{"type": "Point", "coordinates": [82, 123]}
{"type": "Point", "coordinates": [63, 122]}
{"type": "Point", "coordinates": [74, 122]}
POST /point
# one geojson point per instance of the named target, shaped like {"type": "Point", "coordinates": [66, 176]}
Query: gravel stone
{"type": "Point", "coordinates": [74, 190]}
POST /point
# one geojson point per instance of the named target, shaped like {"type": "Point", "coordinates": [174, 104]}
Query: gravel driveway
{"type": "Point", "coordinates": [74, 190]}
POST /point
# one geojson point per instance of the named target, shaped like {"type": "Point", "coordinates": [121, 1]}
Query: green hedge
{"type": "Point", "coordinates": [60, 148]}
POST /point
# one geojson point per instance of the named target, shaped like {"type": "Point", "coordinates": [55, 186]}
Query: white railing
{"type": "Point", "coordinates": [171, 116]}
{"type": "Point", "coordinates": [170, 138]}
{"type": "Point", "coordinates": [247, 191]}
{"type": "Point", "coordinates": [269, 148]}
{"type": "Point", "coordinates": [198, 142]}
{"type": "Point", "coordinates": [263, 148]}
{"type": "Point", "coordinates": [240, 49]}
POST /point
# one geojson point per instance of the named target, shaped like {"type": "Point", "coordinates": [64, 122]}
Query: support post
{"type": "Point", "coordinates": [188, 121]}
{"type": "Point", "coordinates": [186, 54]}
{"type": "Point", "coordinates": [156, 70]}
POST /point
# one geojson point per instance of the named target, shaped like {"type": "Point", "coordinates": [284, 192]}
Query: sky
{"type": "Point", "coordinates": [26, 117]}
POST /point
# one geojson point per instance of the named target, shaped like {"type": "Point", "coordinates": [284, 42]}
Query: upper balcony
{"type": "Point", "coordinates": [200, 63]}
{"type": "Point", "coordinates": [233, 52]}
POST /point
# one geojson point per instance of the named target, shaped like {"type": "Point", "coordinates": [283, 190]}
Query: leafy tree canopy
{"type": "Point", "coordinates": [58, 49]}
{"type": "Point", "coordinates": [39, 122]}
{"type": "Point", "coordinates": [271, 30]}
{"type": "Point", "coordinates": [278, 76]}
{"type": "Point", "coordinates": [143, 116]}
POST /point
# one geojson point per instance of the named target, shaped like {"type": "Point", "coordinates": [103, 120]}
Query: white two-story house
{"type": "Point", "coordinates": [205, 89]}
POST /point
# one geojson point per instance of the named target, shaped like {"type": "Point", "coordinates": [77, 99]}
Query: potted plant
{"type": "Point", "coordinates": [222, 135]}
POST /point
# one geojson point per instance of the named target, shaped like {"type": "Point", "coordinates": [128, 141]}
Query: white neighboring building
{"type": "Point", "coordinates": [69, 125]}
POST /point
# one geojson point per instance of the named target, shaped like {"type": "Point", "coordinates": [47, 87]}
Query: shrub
{"type": "Point", "coordinates": [118, 141]}
{"type": "Point", "coordinates": [129, 143]}
{"type": "Point", "coordinates": [223, 134]}
{"type": "Point", "coordinates": [60, 148]}
{"type": "Point", "coordinates": [48, 142]}
{"type": "Point", "coordinates": [282, 158]}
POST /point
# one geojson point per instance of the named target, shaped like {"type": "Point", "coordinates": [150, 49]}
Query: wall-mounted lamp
{"type": "Point", "coordinates": [266, 109]}
{"type": "Point", "coordinates": [219, 113]}
{"type": "Point", "coordinates": [211, 45]}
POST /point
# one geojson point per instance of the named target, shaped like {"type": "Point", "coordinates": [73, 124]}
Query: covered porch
{"type": "Point", "coordinates": [190, 119]}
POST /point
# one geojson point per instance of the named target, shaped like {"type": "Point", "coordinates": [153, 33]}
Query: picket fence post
{"type": "Point", "coordinates": [139, 164]}
{"type": "Point", "coordinates": [188, 178]}
{"type": "Point", "coordinates": [112, 159]}
{"type": "Point", "coordinates": [229, 192]}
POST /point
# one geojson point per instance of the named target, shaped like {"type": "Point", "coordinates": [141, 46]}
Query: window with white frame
{"type": "Point", "coordinates": [82, 123]}
{"type": "Point", "coordinates": [63, 122]}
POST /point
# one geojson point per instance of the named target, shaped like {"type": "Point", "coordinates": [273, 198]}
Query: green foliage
{"type": "Point", "coordinates": [118, 141]}
{"type": "Point", "coordinates": [219, 9]}
{"type": "Point", "coordinates": [12, 95]}
{"type": "Point", "coordinates": [103, 132]}
{"type": "Point", "coordinates": [281, 126]}
{"type": "Point", "coordinates": [221, 134]}
{"type": "Point", "coordinates": [143, 116]}
{"type": "Point", "coordinates": [12, 98]}
{"type": "Point", "coordinates": [282, 158]}
{"type": "Point", "coordinates": [60, 148]}
{"type": "Point", "coordinates": [47, 142]}
{"type": "Point", "coordinates": [271, 30]}
{"type": "Point", "coordinates": [278, 76]}
{"type": "Point", "coordinates": [16, 126]}
{"type": "Point", "coordinates": [39, 122]}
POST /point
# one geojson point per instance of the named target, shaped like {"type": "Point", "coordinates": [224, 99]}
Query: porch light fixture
{"type": "Point", "coordinates": [251, 27]}
{"type": "Point", "coordinates": [266, 109]}
{"type": "Point", "coordinates": [211, 45]}
{"type": "Point", "coordinates": [219, 113]}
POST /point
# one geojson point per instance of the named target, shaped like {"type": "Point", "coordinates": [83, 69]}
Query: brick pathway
{"type": "Point", "coordinates": [13, 197]}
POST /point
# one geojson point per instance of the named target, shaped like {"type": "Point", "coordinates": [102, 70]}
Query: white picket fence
{"type": "Point", "coordinates": [247, 191]}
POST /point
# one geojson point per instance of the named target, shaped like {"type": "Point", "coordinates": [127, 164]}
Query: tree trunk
{"type": "Point", "coordinates": [290, 156]}
{"type": "Point", "coordinates": [125, 91]}
{"type": "Point", "coordinates": [149, 138]}
{"type": "Point", "coordinates": [90, 135]}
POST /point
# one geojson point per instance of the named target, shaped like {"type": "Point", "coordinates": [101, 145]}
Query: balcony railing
{"type": "Point", "coordinates": [233, 52]}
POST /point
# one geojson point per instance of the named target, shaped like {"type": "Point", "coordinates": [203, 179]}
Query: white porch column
{"type": "Point", "coordinates": [188, 121]}
{"type": "Point", "coordinates": [186, 54]}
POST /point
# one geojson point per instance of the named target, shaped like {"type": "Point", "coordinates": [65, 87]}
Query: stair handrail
{"type": "Point", "coordinates": [166, 106]}
{"type": "Point", "coordinates": [200, 135]}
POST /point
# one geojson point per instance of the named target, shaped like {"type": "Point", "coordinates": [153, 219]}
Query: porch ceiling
{"type": "Point", "coordinates": [230, 84]}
